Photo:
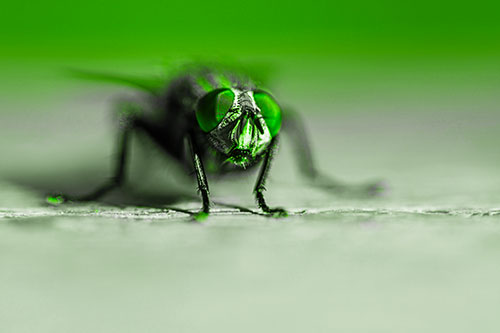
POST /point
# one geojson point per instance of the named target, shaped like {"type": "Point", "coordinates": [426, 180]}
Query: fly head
{"type": "Point", "coordinates": [240, 124]}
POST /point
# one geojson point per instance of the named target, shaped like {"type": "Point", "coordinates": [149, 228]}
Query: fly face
{"type": "Point", "coordinates": [240, 124]}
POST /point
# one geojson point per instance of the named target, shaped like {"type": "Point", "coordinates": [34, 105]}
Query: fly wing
{"type": "Point", "coordinates": [261, 72]}
{"type": "Point", "coordinates": [153, 85]}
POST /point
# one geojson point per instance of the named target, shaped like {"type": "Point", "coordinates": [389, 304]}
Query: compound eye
{"type": "Point", "coordinates": [270, 111]}
{"type": "Point", "coordinates": [212, 108]}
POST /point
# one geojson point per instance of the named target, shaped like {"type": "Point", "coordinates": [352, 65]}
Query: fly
{"type": "Point", "coordinates": [218, 115]}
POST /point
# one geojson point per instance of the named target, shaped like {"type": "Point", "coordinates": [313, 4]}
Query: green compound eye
{"type": "Point", "coordinates": [270, 111]}
{"type": "Point", "coordinates": [212, 108]}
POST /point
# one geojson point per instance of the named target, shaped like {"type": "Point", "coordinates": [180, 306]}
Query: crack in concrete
{"type": "Point", "coordinates": [170, 213]}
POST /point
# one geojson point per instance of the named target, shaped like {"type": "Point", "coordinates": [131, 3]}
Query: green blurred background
{"type": "Point", "coordinates": [402, 91]}
{"type": "Point", "coordinates": [97, 29]}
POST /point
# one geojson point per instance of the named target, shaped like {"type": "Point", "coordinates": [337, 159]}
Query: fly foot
{"type": "Point", "coordinates": [56, 199]}
{"type": "Point", "coordinates": [200, 216]}
{"type": "Point", "coordinates": [372, 189]}
{"type": "Point", "coordinates": [276, 212]}
{"type": "Point", "coordinates": [375, 189]}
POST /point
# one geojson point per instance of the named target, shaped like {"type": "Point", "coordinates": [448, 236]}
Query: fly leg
{"type": "Point", "coordinates": [115, 181]}
{"type": "Point", "coordinates": [294, 127]}
{"type": "Point", "coordinates": [118, 177]}
{"type": "Point", "coordinates": [260, 186]}
{"type": "Point", "coordinates": [127, 124]}
{"type": "Point", "coordinates": [201, 177]}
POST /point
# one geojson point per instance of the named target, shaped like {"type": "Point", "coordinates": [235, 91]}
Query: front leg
{"type": "Point", "coordinates": [201, 177]}
{"type": "Point", "coordinates": [260, 186]}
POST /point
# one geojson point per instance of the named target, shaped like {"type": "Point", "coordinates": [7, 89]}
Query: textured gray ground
{"type": "Point", "coordinates": [423, 258]}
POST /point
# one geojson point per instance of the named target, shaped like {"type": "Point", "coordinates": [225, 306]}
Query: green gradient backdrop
{"type": "Point", "coordinates": [352, 57]}
{"type": "Point", "coordinates": [97, 28]}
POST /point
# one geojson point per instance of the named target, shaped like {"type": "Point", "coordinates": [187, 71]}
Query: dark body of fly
{"type": "Point", "coordinates": [225, 122]}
